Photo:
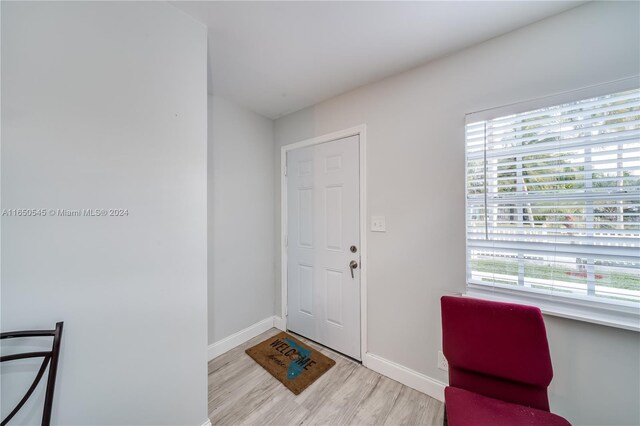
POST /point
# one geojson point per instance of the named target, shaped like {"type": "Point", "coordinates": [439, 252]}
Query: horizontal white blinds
{"type": "Point", "coordinates": [553, 199]}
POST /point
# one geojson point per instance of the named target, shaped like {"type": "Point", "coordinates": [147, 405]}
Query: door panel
{"type": "Point", "coordinates": [334, 297]}
{"type": "Point", "coordinates": [306, 289]}
{"type": "Point", "coordinates": [323, 210]}
{"type": "Point", "coordinates": [333, 214]}
{"type": "Point", "coordinates": [305, 218]}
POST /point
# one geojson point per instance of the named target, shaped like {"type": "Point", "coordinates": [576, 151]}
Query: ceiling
{"type": "Point", "coordinates": [278, 57]}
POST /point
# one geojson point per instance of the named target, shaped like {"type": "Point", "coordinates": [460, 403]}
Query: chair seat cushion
{"type": "Point", "coordinates": [466, 408]}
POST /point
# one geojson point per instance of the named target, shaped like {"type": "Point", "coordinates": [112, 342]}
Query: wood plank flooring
{"type": "Point", "coordinates": [243, 393]}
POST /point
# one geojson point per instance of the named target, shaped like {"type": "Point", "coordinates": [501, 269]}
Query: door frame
{"type": "Point", "coordinates": [360, 131]}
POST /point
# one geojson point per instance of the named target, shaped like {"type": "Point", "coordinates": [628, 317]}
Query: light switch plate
{"type": "Point", "coordinates": [378, 224]}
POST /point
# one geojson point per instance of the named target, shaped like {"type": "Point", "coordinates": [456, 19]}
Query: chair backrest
{"type": "Point", "coordinates": [497, 349]}
{"type": "Point", "coordinates": [49, 358]}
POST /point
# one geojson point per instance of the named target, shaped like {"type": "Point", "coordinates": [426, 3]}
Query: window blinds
{"type": "Point", "coordinates": [553, 199]}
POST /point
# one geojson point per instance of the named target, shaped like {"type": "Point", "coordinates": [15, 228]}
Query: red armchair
{"type": "Point", "coordinates": [499, 364]}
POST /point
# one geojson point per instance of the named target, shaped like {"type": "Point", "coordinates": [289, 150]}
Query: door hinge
{"type": "Point", "coordinates": [286, 241]}
{"type": "Point", "coordinates": [285, 170]}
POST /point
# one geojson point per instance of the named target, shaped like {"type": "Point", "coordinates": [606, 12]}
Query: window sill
{"type": "Point", "coordinates": [576, 309]}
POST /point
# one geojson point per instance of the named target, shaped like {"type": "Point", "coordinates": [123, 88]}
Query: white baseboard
{"type": "Point", "coordinates": [278, 322]}
{"type": "Point", "coordinates": [221, 346]}
{"type": "Point", "coordinates": [418, 381]}
{"type": "Point", "coordinates": [207, 423]}
{"type": "Point", "coordinates": [397, 372]}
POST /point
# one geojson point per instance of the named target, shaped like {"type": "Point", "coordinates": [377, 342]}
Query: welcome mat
{"type": "Point", "coordinates": [289, 360]}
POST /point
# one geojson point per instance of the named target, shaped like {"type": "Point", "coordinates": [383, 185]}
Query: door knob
{"type": "Point", "coordinates": [353, 265]}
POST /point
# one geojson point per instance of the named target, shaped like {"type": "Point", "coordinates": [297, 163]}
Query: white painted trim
{"type": "Point", "coordinates": [418, 381]}
{"type": "Point", "coordinates": [279, 323]}
{"type": "Point", "coordinates": [221, 346]}
{"type": "Point", "coordinates": [397, 372]}
{"type": "Point", "coordinates": [360, 131]}
{"type": "Point", "coordinates": [207, 423]}
{"type": "Point", "coordinates": [579, 309]}
{"type": "Point", "coordinates": [364, 260]}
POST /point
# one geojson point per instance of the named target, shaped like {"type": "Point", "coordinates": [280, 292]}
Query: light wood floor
{"type": "Point", "coordinates": [243, 393]}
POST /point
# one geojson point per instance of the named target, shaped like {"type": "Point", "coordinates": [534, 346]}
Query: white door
{"type": "Point", "coordinates": [324, 244]}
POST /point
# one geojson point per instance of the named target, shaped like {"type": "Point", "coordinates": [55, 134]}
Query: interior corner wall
{"type": "Point", "coordinates": [104, 106]}
{"type": "Point", "coordinates": [241, 216]}
{"type": "Point", "coordinates": [415, 177]}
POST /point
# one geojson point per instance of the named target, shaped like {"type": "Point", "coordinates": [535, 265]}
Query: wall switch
{"type": "Point", "coordinates": [442, 362]}
{"type": "Point", "coordinates": [378, 224]}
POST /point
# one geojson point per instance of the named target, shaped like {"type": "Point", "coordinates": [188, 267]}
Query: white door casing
{"type": "Point", "coordinates": [323, 210]}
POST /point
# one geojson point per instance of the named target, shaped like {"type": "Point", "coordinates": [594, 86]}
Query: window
{"type": "Point", "coordinates": [553, 205]}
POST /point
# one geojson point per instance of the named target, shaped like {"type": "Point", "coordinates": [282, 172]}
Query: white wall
{"type": "Point", "coordinates": [415, 163]}
{"type": "Point", "coordinates": [104, 106]}
{"type": "Point", "coordinates": [241, 216]}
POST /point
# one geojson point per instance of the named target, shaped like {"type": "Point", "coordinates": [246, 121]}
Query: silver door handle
{"type": "Point", "coordinates": [353, 265]}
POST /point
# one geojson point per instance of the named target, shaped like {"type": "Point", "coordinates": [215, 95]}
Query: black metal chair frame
{"type": "Point", "coordinates": [50, 358]}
